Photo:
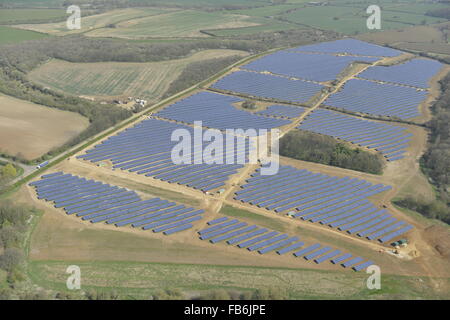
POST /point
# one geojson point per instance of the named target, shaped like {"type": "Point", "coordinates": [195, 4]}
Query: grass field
{"type": "Point", "coordinates": [346, 20]}
{"type": "Point", "coordinates": [266, 25]}
{"type": "Point", "coordinates": [112, 79]}
{"type": "Point", "coordinates": [32, 130]}
{"type": "Point", "coordinates": [9, 16]}
{"type": "Point", "coordinates": [185, 23]}
{"type": "Point", "coordinates": [140, 280]}
{"type": "Point", "coordinates": [10, 35]}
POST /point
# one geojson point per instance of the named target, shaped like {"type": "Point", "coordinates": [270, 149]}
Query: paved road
{"type": "Point", "coordinates": [27, 170]}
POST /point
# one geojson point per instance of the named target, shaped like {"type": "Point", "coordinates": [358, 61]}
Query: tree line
{"type": "Point", "coordinates": [313, 147]}
{"type": "Point", "coordinates": [435, 162]}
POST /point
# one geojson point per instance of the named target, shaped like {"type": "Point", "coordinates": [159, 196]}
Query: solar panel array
{"type": "Point", "coordinates": [216, 111]}
{"type": "Point", "coordinates": [340, 203]}
{"type": "Point", "coordinates": [96, 202]}
{"type": "Point", "coordinates": [378, 99]}
{"type": "Point", "coordinates": [352, 47]}
{"type": "Point", "coordinates": [392, 141]}
{"type": "Point", "coordinates": [309, 66]}
{"type": "Point", "coordinates": [146, 149]}
{"type": "Point", "coordinates": [268, 86]}
{"type": "Point", "coordinates": [263, 241]}
{"type": "Point", "coordinates": [415, 72]}
{"type": "Point", "coordinates": [282, 111]}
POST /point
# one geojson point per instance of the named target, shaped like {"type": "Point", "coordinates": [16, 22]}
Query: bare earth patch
{"type": "Point", "coordinates": [32, 130]}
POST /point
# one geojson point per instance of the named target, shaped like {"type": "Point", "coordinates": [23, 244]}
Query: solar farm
{"type": "Point", "coordinates": [306, 215]}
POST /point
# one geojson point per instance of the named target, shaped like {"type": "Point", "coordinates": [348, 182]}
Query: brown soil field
{"type": "Point", "coordinates": [32, 130]}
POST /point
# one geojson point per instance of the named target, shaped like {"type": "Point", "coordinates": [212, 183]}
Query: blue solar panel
{"type": "Point", "coordinates": [352, 47]}
{"type": "Point", "coordinates": [362, 266]}
{"type": "Point", "coordinates": [307, 249]}
{"type": "Point", "coordinates": [216, 111]}
{"type": "Point", "coordinates": [370, 134]}
{"type": "Point", "coordinates": [247, 236]}
{"type": "Point", "coordinates": [268, 86]}
{"type": "Point", "coordinates": [317, 253]}
{"type": "Point", "coordinates": [338, 202]}
{"type": "Point", "coordinates": [341, 258]}
{"type": "Point", "coordinates": [277, 245]}
{"type": "Point", "coordinates": [266, 242]}
{"type": "Point", "coordinates": [351, 262]}
{"type": "Point", "coordinates": [130, 150]}
{"type": "Point", "coordinates": [327, 256]}
{"type": "Point", "coordinates": [98, 202]}
{"type": "Point", "coordinates": [415, 72]}
{"type": "Point", "coordinates": [379, 99]}
{"type": "Point", "coordinates": [315, 67]}
{"type": "Point", "coordinates": [290, 248]}
{"type": "Point", "coordinates": [218, 220]}
{"type": "Point", "coordinates": [257, 239]}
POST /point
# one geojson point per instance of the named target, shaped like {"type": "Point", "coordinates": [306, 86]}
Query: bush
{"type": "Point", "coordinates": [10, 259]}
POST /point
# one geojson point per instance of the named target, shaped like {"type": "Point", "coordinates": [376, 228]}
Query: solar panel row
{"type": "Point", "coordinates": [255, 238]}
{"type": "Point", "coordinates": [392, 141]}
{"type": "Point", "coordinates": [98, 202]}
{"type": "Point", "coordinates": [415, 72]}
{"type": "Point", "coordinates": [146, 149]}
{"type": "Point", "coordinates": [337, 202]}
{"type": "Point", "coordinates": [268, 86]}
{"type": "Point", "coordinates": [216, 111]}
{"type": "Point", "coordinates": [378, 99]}
{"type": "Point", "coordinates": [309, 66]}
{"type": "Point", "coordinates": [352, 47]}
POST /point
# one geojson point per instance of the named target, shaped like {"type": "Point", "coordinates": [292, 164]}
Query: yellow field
{"type": "Point", "coordinates": [118, 79]}
{"type": "Point", "coordinates": [32, 130]}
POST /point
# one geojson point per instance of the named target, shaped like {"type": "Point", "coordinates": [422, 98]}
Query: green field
{"type": "Point", "coordinates": [185, 23]}
{"type": "Point", "coordinates": [10, 16]}
{"type": "Point", "coordinates": [351, 20]}
{"type": "Point", "coordinates": [140, 280]}
{"type": "Point", "coordinates": [254, 217]}
{"type": "Point", "coordinates": [10, 35]}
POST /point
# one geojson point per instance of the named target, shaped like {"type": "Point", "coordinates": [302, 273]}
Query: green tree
{"type": "Point", "coordinates": [9, 171]}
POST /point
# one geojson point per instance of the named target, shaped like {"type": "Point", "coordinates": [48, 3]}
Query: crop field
{"type": "Point", "coordinates": [32, 130]}
{"type": "Point", "coordinates": [89, 23]}
{"type": "Point", "coordinates": [186, 23]}
{"type": "Point", "coordinates": [10, 35]}
{"type": "Point", "coordinates": [108, 79]}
